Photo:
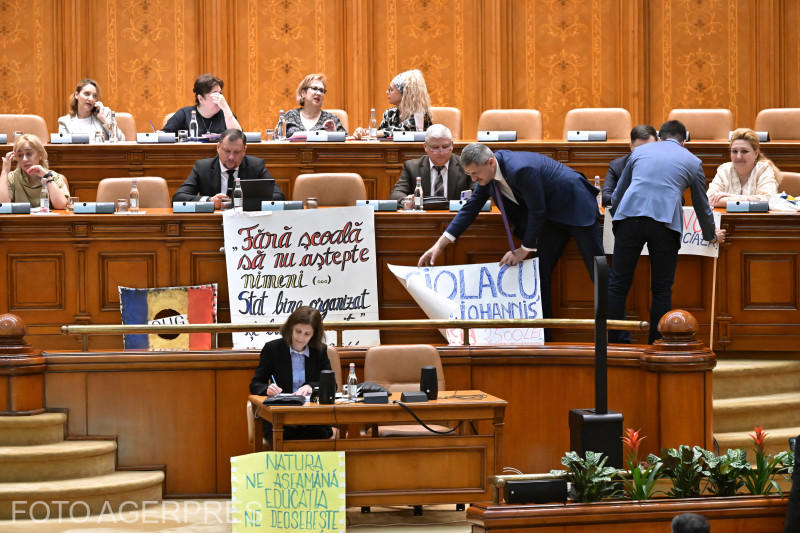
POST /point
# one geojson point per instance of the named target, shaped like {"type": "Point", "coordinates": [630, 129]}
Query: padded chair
{"type": "Point", "coordinates": [153, 192]}
{"type": "Point", "coordinates": [616, 121]}
{"type": "Point", "coordinates": [450, 117]}
{"type": "Point", "coordinates": [166, 119]}
{"type": "Point", "coordinates": [127, 124]}
{"type": "Point", "coordinates": [26, 124]}
{"type": "Point", "coordinates": [705, 124]}
{"type": "Point", "coordinates": [527, 122]}
{"type": "Point", "coordinates": [783, 124]}
{"type": "Point", "coordinates": [342, 114]}
{"type": "Point", "coordinates": [331, 189]}
{"type": "Point", "coordinates": [250, 410]}
{"type": "Point", "coordinates": [397, 367]}
{"type": "Point", "coordinates": [790, 182]}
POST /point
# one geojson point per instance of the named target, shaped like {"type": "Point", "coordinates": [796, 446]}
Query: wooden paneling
{"type": "Point", "coordinates": [648, 56]}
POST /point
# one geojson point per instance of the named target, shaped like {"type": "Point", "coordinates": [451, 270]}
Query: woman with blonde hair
{"type": "Point", "coordinates": [310, 115]}
{"type": "Point", "coordinates": [748, 176]}
{"type": "Point", "coordinates": [87, 114]}
{"type": "Point", "coordinates": [408, 93]}
{"type": "Point", "coordinates": [24, 183]}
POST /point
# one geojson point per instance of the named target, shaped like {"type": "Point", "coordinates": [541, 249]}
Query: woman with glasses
{"type": "Point", "coordinates": [310, 115]}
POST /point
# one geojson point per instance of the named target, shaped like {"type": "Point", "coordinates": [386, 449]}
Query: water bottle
{"type": "Point", "coordinates": [352, 383]}
{"type": "Point", "coordinates": [418, 195]}
{"type": "Point", "coordinates": [373, 126]}
{"type": "Point", "coordinates": [280, 127]}
{"type": "Point", "coordinates": [134, 198]}
{"type": "Point", "coordinates": [600, 194]}
{"type": "Point", "coordinates": [194, 128]}
{"type": "Point", "coordinates": [112, 127]}
{"type": "Point", "coordinates": [238, 196]}
{"type": "Point", "coordinates": [44, 198]}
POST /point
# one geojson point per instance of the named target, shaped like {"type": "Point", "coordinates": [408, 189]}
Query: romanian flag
{"type": "Point", "coordinates": [169, 305]}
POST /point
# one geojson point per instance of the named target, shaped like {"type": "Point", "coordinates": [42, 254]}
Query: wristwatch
{"type": "Point", "coordinates": [48, 177]}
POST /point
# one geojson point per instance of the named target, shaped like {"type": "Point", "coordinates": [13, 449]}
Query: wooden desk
{"type": "Point", "coordinates": [404, 470]}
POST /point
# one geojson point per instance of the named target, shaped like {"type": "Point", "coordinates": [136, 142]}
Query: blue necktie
{"type": "Point", "coordinates": [498, 197]}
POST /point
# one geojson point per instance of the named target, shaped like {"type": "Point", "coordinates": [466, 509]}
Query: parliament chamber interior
{"type": "Point", "coordinates": [96, 423]}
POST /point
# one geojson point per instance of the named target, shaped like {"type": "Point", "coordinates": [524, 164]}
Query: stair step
{"type": "Point", "coordinates": [43, 428]}
{"type": "Point", "coordinates": [61, 460]}
{"type": "Point", "coordinates": [79, 497]}
{"type": "Point", "coordinates": [748, 377]}
{"type": "Point", "coordinates": [777, 440]}
{"type": "Point", "coordinates": [769, 411]}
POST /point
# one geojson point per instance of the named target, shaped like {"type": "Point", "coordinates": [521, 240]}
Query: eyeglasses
{"type": "Point", "coordinates": [439, 148]}
{"type": "Point", "coordinates": [320, 90]}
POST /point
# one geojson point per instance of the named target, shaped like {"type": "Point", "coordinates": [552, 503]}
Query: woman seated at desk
{"type": "Point", "coordinates": [409, 95]}
{"type": "Point", "coordinates": [293, 363]}
{"type": "Point", "coordinates": [310, 115]}
{"type": "Point", "coordinates": [24, 183]}
{"type": "Point", "coordinates": [87, 114]}
{"type": "Point", "coordinates": [749, 175]}
{"type": "Point", "coordinates": [213, 113]}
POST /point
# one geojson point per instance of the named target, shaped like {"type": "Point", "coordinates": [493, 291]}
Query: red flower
{"type": "Point", "coordinates": [759, 436]}
{"type": "Point", "coordinates": [632, 440]}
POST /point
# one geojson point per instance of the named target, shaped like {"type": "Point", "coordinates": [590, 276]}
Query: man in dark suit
{"type": "Point", "coordinates": [545, 201]}
{"type": "Point", "coordinates": [440, 170]}
{"type": "Point", "coordinates": [212, 178]}
{"type": "Point", "coordinates": [640, 135]}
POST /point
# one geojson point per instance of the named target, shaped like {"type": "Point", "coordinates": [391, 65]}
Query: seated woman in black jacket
{"type": "Point", "coordinates": [293, 364]}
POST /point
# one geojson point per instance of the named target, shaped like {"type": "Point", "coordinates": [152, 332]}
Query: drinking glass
{"type": "Point", "coordinates": [98, 137]}
{"type": "Point", "coordinates": [122, 205]}
{"type": "Point", "coordinates": [71, 201]}
{"type": "Point", "coordinates": [183, 136]}
{"type": "Point", "coordinates": [310, 203]}
{"type": "Point", "coordinates": [17, 134]}
{"type": "Point", "coordinates": [224, 205]}
{"type": "Point", "coordinates": [419, 121]}
{"type": "Point", "coordinates": [407, 203]}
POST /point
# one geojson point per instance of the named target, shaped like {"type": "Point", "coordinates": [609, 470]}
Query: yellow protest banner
{"type": "Point", "coordinates": [288, 491]}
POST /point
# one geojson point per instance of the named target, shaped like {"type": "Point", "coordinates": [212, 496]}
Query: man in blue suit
{"type": "Point", "coordinates": [545, 201]}
{"type": "Point", "coordinates": [647, 209]}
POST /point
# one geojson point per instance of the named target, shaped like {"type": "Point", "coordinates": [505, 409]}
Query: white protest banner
{"type": "Point", "coordinates": [692, 242]}
{"type": "Point", "coordinates": [477, 292]}
{"type": "Point", "coordinates": [288, 491]}
{"type": "Point", "coordinates": [280, 260]}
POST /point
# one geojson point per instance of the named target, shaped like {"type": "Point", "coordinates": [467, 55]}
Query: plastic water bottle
{"type": "Point", "coordinates": [113, 127]}
{"type": "Point", "coordinates": [418, 195]}
{"type": "Point", "coordinates": [194, 128]}
{"type": "Point", "coordinates": [373, 126]}
{"type": "Point", "coordinates": [599, 194]}
{"type": "Point", "coordinates": [280, 127]}
{"type": "Point", "coordinates": [352, 383]}
{"type": "Point", "coordinates": [134, 198]}
{"type": "Point", "coordinates": [44, 198]}
{"type": "Point", "coordinates": [238, 196]}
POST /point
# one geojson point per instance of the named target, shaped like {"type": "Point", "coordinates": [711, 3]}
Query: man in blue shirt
{"type": "Point", "coordinates": [647, 209]}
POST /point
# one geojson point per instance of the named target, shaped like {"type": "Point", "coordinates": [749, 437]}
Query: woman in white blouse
{"type": "Point", "coordinates": [749, 175]}
{"type": "Point", "coordinates": [87, 114]}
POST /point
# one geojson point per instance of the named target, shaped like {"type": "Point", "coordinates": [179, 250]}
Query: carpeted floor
{"type": "Point", "coordinates": [213, 516]}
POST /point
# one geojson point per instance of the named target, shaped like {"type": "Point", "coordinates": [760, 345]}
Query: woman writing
{"type": "Point", "coordinates": [87, 114]}
{"type": "Point", "coordinates": [293, 364]}
{"type": "Point", "coordinates": [409, 95]}
{"type": "Point", "coordinates": [310, 115]}
{"type": "Point", "coordinates": [24, 183]}
{"type": "Point", "coordinates": [749, 175]}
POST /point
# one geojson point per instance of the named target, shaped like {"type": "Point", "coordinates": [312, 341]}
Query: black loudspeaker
{"type": "Point", "coordinates": [428, 382]}
{"type": "Point", "coordinates": [327, 386]}
{"type": "Point", "coordinates": [598, 433]}
{"type": "Point", "coordinates": [539, 491]}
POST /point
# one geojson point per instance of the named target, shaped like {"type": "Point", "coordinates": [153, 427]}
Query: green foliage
{"type": "Point", "coordinates": [726, 472]}
{"type": "Point", "coordinates": [761, 479]}
{"type": "Point", "coordinates": [642, 482]}
{"type": "Point", "coordinates": [685, 466]}
{"type": "Point", "coordinates": [591, 479]}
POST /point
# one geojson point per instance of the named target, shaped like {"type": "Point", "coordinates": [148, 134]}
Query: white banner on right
{"type": "Point", "coordinates": [692, 242]}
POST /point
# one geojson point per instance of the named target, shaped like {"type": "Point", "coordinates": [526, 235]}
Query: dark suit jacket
{"type": "Point", "coordinates": [276, 361]}
{"type": "Point", "coordinates": [206, 178]}
{"type": "Point", "coordinates": [545, 190]}
{"type": "Point", "coordinates": [457, 179]}
{"type": "Point", "coordinates": [615, 168]}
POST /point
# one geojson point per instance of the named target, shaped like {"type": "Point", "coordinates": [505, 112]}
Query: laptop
{"type": "Point", "coordinates": [255, 191]}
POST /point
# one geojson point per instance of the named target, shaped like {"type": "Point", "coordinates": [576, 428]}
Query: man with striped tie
{"type": "Point", "coordinates": [440, 170]}
{"type": "Point", "coordinates": [545, 202]}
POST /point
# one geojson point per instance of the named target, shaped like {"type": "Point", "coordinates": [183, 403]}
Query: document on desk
{"type": "Point", "coordinates": [475, 292]}
{"type": "Point", "coordinates": [288, 491]}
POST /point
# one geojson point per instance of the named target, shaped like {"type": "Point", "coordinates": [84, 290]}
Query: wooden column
{"type": "Point", "coordinates": [21, 370]}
